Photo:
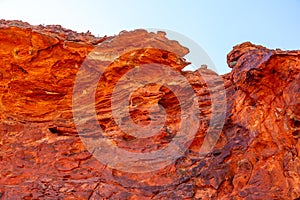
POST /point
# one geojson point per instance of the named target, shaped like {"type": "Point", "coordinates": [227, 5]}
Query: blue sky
{"type": "Point", "coordinates": [215, 25]}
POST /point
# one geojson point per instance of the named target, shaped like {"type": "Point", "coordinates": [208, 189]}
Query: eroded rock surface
{"type": "Point", "coordinates": [42, 156]}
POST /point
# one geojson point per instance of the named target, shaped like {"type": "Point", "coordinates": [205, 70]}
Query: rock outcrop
{"type": "Point", "coordinates": [43, 156]}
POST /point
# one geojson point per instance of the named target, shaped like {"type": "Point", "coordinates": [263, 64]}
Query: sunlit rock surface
{"type": "Point", "coordinates": [42, 156]}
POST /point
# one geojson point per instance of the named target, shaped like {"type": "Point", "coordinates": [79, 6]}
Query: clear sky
{"type": "Point", "coordinates": [215, 25]}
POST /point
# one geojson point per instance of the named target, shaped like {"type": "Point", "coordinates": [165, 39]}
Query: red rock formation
{"type": "Point", "coordinates": [43, 157]}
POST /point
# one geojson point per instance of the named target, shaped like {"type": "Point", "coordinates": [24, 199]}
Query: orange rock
{"type": "Point", "coordinates": [43, 157]}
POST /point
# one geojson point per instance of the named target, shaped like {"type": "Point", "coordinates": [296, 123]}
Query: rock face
{"type": "Point", "coordinates": [43, 157]}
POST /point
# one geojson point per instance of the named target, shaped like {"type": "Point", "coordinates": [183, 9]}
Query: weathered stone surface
{"type": "Point", "coordinates": [42, 156]}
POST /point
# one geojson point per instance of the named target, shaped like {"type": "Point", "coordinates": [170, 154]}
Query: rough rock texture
{"type": "Point", "coordinates": [42, 156]}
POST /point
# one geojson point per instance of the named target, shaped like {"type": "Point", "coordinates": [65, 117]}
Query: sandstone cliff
{"type": "Point", "coordinates": [43, 157]}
